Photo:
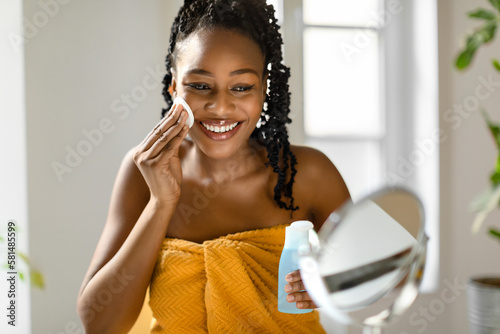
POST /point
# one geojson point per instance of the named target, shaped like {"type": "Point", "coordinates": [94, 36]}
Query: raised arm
{"type": "Point", "coordinates": [143, 200]}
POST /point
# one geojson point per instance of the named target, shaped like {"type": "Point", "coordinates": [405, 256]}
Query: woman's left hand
{"type": "Point", "coordinates": [295, 289]}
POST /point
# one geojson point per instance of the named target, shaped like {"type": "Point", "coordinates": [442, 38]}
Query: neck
{"type": "Point", "coordinates": [247, 160]}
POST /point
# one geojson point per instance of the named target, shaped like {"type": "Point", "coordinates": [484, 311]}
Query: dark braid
{"type": "Point", "coordinates": [254, 19]}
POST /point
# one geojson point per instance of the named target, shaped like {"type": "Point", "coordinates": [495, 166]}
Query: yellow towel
{"type": "Point", "coordinates": [225, 285]}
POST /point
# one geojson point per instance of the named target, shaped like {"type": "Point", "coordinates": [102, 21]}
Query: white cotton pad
{"type": "Point", "coordinates": [180, 100]}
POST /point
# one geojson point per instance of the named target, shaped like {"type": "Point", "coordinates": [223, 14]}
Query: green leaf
{"type": "Point", "coordinates": [483, 34]}
{"type": "Point", "coordinates": [471, 45]}
{"type": "Point", "coordinates": [36, 276]}
{"type": "Point", "coordinates": [37, 279]}
{"type": "Point", "coordinates": [496, 64]}
{"type": "Point", "coordinates": [495, 176]}
{"type": "Point", "coordinates": [464, 59]}
{"type": "Point", "coordinates": [481, 201]}
{"type": "Point", "coordinates": [24, 257]}
{"type": "Point", "coordinates": [494, 128]}
{"type": "Point", "coordinates": [497, 166]}
{"type": "Point", "coordinates": [488, 203]}
{"type": "Point", "coordinates": [474, 41]}
{"type": "Point", "coordinates": [488, 31]}
{"type": "Point", "coordinates": [495, 3]}
{"type": "Point", "coordinates": [481, 13]}
{"type": "Point", "coordinates": [494, 233]}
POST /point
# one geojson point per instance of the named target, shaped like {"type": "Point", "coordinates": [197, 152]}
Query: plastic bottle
{"type": "Point", "coordinates": [296, 235]}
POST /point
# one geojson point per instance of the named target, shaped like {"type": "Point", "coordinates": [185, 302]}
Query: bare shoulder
{"type": "Point", "coordinates": [312, 159]}
{"type": "Point", "coordinates": [314, 166]}
{"type": "Point", "coordinates": [319, 186]}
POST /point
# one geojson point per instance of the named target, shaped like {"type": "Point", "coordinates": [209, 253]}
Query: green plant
{"type": "Point", "coordinates": [36, 277]}
{"type": "Point", "coordinates": [488, 201]}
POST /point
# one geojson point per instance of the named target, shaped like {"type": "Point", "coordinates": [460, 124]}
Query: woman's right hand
{"type": "Point", "coordinates": [157, 157]}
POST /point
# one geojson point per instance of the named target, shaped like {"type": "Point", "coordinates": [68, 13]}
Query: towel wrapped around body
{"type": "Point", "coordinates": [225, 285]}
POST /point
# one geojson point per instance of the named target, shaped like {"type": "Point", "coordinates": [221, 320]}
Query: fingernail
{"type": "Point", "coordinates": [300, 304]}
{"type": "Point", "coordinates": [290, 298]}
{"type": "Point", "coordinates": [288, 278]}
{"type": "Point", "coordinates": [288, 288]}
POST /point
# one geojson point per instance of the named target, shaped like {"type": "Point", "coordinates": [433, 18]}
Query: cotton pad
{"type": "Point", "coordinates": [180, 100]}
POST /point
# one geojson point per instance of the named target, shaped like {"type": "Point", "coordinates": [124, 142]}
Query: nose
{"type": "Point", "coordinates": [220, 104]}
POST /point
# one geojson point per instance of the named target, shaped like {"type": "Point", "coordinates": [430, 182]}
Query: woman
{"type": "Point", "coordinates": [184, 208]}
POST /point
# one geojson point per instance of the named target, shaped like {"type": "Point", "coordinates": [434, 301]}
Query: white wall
{"type": "Point", "coordinates": [79, 61]}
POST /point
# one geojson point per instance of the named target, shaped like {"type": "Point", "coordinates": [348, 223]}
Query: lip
{"type": "Point", "coordinates": [219, 136]}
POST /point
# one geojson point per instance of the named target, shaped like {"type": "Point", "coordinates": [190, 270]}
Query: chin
{"type": "Point", "coordinates": [220, 151]}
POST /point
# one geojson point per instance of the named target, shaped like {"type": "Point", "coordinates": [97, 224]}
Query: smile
{"type": "Point", "coordinates": [220, 128]}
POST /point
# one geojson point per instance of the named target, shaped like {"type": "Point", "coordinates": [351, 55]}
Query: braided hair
{"type": "Point", "coordinates": [254, 19]}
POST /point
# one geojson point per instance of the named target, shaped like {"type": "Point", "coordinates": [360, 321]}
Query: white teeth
{"type": "Point", "coordinates": [221, 129]}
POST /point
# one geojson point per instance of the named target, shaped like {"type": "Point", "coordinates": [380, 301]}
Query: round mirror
{"type": "Point", "coordinates": [366, 265]}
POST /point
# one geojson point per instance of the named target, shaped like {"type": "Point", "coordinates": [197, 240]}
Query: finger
{"type": "Point", "coordinates": [294, 287]}
{"type": "Point", "coordinates": [302, 299]}
{"type": "Point", "coordinates": [306, 305]}
{"type": "Point", "coordinates": [166, 139]}
{"type": "Point", "coordinates": [173, 114]}
{"type": "Point", "coordinates": [302, 304]}
{"type": "Point", "coordinates": [174, 144]}
{"type": "Point", "coordinates": [293, 276]}
{"type": "Point", "coordinates": [159, 130]}
{"type": "Point", "coordinates": [163, 141]}
{"type": "Point", "coordinates": [298, 296]}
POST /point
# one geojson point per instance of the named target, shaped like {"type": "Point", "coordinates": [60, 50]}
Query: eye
{"type": "Point", "coordinates": [240, 89]}
{"type": "Point", "coordinates": [199, 86]}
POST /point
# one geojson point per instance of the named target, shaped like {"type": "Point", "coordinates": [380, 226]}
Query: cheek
{"type": "Point", "coordinates": [252, 104]}
{"type": "Point", "coordinates": [195, 101]}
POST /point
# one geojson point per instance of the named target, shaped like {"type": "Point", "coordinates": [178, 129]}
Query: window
{"type": "Point", "coordinates": [364, 92]}
{"type": "Point", "coordinates": [342, 61]}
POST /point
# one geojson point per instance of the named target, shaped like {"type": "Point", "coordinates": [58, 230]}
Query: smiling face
{"type": "Point", "coordinates": [220, 73]}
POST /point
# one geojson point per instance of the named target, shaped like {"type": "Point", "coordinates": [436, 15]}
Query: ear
{"type": "Point", "coordinates": [173, 85]}
{"type": "Point", "coordinates": [264, 84]}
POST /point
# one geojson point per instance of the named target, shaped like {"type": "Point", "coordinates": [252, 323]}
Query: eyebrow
{"type": "Point", "coordinates": [209, 74]}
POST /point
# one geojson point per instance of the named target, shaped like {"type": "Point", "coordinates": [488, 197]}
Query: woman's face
{"type": "Point", "coordinates": [220, 75]}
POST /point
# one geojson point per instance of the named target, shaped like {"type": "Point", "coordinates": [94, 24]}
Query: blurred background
{"type": "Point", "coordinates": [373, 86]}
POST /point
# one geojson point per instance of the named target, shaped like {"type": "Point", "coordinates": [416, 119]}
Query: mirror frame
{"type": "Point", "coordinates": [316, 285]}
